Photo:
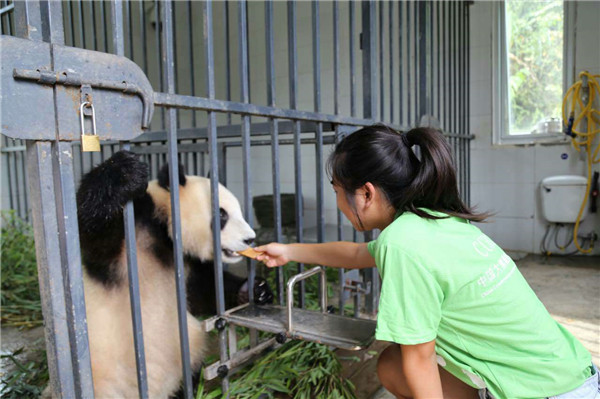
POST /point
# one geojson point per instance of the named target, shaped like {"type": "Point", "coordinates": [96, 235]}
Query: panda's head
{"type": "Point", "coordinates": [196, 216]}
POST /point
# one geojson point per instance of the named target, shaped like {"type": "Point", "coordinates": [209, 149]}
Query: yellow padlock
{"type": "Point", "coordinates": [89, 142]}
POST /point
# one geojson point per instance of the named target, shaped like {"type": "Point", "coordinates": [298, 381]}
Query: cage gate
{"type": "Point", "coordinates": [49, 62]}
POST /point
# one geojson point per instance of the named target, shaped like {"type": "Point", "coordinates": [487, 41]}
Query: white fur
{"type": "Point", "coordinates": [108, 309]}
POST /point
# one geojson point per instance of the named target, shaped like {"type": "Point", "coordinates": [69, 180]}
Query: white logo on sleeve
{"type": "Point", "coordinates": [483, 245]}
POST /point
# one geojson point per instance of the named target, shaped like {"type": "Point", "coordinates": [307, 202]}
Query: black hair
{"type": "Point", "coordinates": [384, 157]}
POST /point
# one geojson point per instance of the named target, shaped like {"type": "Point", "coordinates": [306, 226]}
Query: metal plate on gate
{"type": "Point", "coordinates": [121, 93]}
{"type": "Point", "coordinates": [329, 329]}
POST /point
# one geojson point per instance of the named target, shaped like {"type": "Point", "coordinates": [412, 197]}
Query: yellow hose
{"type": "Point", "coordinates": [583, 140]}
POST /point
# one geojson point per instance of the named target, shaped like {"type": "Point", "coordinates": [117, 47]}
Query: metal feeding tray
{"type": "Point", "coordinates": [320, 327]}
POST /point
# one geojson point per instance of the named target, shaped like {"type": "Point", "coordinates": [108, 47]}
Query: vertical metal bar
{"type": "Point", "coordinates": [336, 59]}
{"type": "Point", "coordinates": [10, 189]}
{"type": "Point", "coordinates": [169, 78]}
{"type": "Point", "coordinates": [446, 51]}
{"type": "Point", "coordinates": [270, 63]}
{"type": "Point", "coordinates": [336, 72]}
{"type": "Point", "coordinates": [468, 106]}
{"type": "Point", "coordinates": [104, 26]}
{"type": "Point", "coordinates": [369, 66]}
{"type": "Point", "coordinates": [409, 47]}
{"type": "Point", "coordinates": [352, 62]}
{"type": "Point", "coordinates": [159, 46]}
{"type": "Point", "coordinates": [369, 92]}
{"type": "Point", "coordinates": [129, 18]}
{"type": "Point", "coordinates": [391, 55]}
{"type": "Point", "coordinates": [423, 8]}
{"type": "Point", "coordinates": [381, 77]}
{"type": "Point", "coordinates": [16, 193]}
{"type": "Point", "coordinates": [72, 21]}
{"type": "Point", "coordinates": [319, 133]}
{"type": "Point", "coordinates": [438, 65]}
{"type": "Point", "coordinates": [81, 20]}
{"type": "Point", "coordinates": [50, 272]}
{"type": "Point", "coordinates": [175, 61]}
{"type": "Point", "coordinates": [293, 76]}
{"type": "Point", "coordinates": [227, 57]}
{"type": "Point", "coordinates": [129, 226]}
{"type": "Point", "coordinates": [143, 36]}
{"type": "Point", "coordinates": [191, 52]}
{"type": "Point", "coordinates": [214, 184]}
{"type": "Point", "coordinates": [248, 214]}
{"type": "Point", "coordinates": [416, 62]}
{"type": "Point", "coordinates": [94, 28]}
{"type": "Point", "coordinates": [400, 63]}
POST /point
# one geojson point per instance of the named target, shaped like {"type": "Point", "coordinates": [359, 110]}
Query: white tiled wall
{"type": "Point", "coordinates": [505, 179]}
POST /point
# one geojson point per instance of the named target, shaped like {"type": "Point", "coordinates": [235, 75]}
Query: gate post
{"type": "Point", "coordinates": [51, 186]}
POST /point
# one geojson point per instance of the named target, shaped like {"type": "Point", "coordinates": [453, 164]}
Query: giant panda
{"type": "Point", "coordinates": [101, 197]}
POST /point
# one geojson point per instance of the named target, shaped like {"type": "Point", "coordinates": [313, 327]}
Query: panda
{"type": "Point", "coordinates": [101, 197]}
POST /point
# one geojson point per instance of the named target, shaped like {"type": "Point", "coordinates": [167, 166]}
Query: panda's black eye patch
{"type": "Point", "coordinates": [224, 217]}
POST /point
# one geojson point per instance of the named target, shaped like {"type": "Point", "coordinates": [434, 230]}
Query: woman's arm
{"type": "Point", "coordinates": [350, 255]}
{"type": "Point", "coordinates": [421, 370]}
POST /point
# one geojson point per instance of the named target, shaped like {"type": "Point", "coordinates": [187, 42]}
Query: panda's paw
{"type": "Point", "coordinates": [128, 174]}
{"type": "Point", "coordinates": [262, 292]}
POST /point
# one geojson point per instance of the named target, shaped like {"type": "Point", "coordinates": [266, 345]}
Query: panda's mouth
{"type": "Point", "coordinates": [229, 253]}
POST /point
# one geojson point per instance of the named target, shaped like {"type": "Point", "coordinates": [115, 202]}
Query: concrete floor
{"type": "Point", "coordinates": [569, 287]}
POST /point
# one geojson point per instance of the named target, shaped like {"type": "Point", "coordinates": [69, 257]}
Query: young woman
{"type": "Point", "coordinates": [463, 320]}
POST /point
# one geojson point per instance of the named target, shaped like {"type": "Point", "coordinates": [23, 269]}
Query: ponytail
{"type": "Point", "coordinates": [384, 157]}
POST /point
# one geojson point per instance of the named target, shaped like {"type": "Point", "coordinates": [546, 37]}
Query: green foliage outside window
{"type": "Point", "coordinates": [535, 59]}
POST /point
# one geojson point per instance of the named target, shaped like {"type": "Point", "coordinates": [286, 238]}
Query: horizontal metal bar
{"type": "Point", "coordinates": [18, 148]}
{"type": "Point", "coordinates": [238, 359]}
{"type": "Point", "coordinates": [73, 79]}
{"type": "Point", "coordinates": [6, 9]}
{"type": "Point", "coordinates": [188, 102]}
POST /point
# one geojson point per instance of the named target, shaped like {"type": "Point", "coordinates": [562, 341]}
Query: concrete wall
{"type": "Point", "coordinates": [506, 179]}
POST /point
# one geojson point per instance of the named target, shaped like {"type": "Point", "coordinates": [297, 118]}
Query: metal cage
{"type": "Point", "coordinates": [198, 73]}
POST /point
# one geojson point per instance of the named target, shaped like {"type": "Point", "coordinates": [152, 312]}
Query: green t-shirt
{"type": "Point", "coordinates": [446, 280]}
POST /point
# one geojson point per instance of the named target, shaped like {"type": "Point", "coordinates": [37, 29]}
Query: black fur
{"type": "Point", "coordinates": [164, 178]}
{"type": "Point", "coordinates": [100, 200]}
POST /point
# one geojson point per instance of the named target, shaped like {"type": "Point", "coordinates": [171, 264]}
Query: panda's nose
{"type": "Point", "coordinates": [249, 241]}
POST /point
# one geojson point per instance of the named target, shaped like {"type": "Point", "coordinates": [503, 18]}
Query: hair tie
{"type": "Point", "coordinates": [406, 140]}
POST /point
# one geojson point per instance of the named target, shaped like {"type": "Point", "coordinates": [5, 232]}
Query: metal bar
{"type": "Point", "coordinates": [246, 157]}
{"type": "Point", "coordinates": [409, 95]}
{"type": "Point", "coordinates": [227, 57]}
{"type": "Point", "coordinates": [104, 25]}
{"type": "Point", "coordinates": [391, 55]}
{"type": "Point", "coordinates": [169, 78]}
{"type": "Point", "coordinates": [468, 106]}
{"type": "Point", "coordinates": [7, 8]}
{"type": "Point", "coordinates": [191, 52]}
{"type": "Point", "coordinates": [214, 184]}
{"type": "Point", "coordinates": [129, 18]}
{"type": "Point", "coordinates": [340, 237]}
{"type": "Point", "coordinates": [381, 77]}
{"type": "Point", "coordinates": [423, 59]}
{"type": "Point", "coordinates": [445, 49]}
{"type": "Point", "coordinates": [175, 63]}
{"type": "Point", "coordinates": [129, 227]}
{"type": "Point", "coordinates": [369, 60]}
{"type": "Point", "coordinates": [50, 272]}
{"type": "Point", "coordinates": [290, 290]}
{"type": "Point", "coordinates": [336, 57]}
{"type": "Point", "coordinates": [416, 58]}
{"type": "Point", "coordinates": [199, 103]}
{"type": "Point", "coordinates": [293, 77]}
{"type": "Point", "coordinates": [7, 157]}
{"type": "Point", "coordinates": [93, 7]}
{"type": "Point", "coordinates": [400, 63]}
{"type": "Point", "coordinates": [352, 62]}
{"type": "Point", "coordinates": [159, 46]}
{"type": "Point", "coordinates": [80, 17]}
{"type": "Point", "coordinates": [270, 64]}
{"type": "Point", "coordinates": [143, 36]}
{"type": "Point", "coordinates": [319, 132]}
{"type": "Point", "coordinates": [438, 65]}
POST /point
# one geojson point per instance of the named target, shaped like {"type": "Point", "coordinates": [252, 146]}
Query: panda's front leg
{"type": "Point", "coordinates": [101, 196]}
{"type": "Point", "coordinates": [201, 294]}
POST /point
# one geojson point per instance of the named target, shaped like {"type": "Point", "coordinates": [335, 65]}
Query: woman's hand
{"type": "Point", "coordinates": [273, 254]}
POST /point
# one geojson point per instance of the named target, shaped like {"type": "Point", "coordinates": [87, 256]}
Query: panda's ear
{"type": "Point", "coordinates": [163, 176]}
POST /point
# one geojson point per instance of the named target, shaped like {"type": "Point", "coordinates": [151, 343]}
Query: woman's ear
{"type": "Point", "coordinates": [369, 192]}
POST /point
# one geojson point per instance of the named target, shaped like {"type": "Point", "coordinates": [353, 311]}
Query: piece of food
{"type": "Point", "coordinates": [249, 252]}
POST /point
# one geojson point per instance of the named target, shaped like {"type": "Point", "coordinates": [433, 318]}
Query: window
{"type": "Point", "coordinates": [531, 58]}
